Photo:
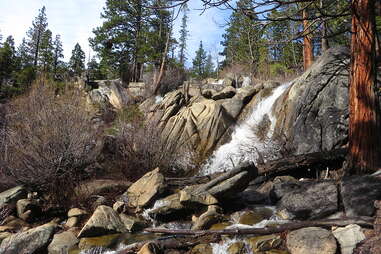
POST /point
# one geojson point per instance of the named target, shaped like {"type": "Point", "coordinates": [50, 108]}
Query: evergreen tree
{"type": "Point", "coordinates": [199, 62]}
{"type": "Point", "coordinates": [94, 70]}
{"type": "Point", "coordinates": [77, 61]}
{"type": "Point", "coordinates": [209, 66]}
{"type": "Point", "coordinates": [242, 37]}
{"type": "Point", "coordinates": [120, 39]}
{"type": "Point", "coordinates": [57, 53]}
{"type": "Point", "coordinates": [7, 59]}
{"type": "Point", "coordinates": [46, 56]}
{"type": "Point", "coordinates": [183, 36]}
{"type": "Point", "coordinates": [23, 54]}
{"type": "Point", "coordinates": [35, 34]}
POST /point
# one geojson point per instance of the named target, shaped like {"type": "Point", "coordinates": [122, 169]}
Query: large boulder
{"type": "Point", "coordinates": [146, 189]}
{"type": "Point", "coordinates": [311, 200]}
{"type": "Point", "coordinates": [103, 221]}
{"type": "Point", "coordinates": [28, 242]}
{"type": "Point", "coordinates": [313, 114]}
{"type": "Point", "coordinates": [200, 122]}
{"type": "Point", "coordinates": [109, 92]}
{"type": "Point", "coordinates": [359, 193]}
{"type": "Point", "coordinates": [348, 237]}
{"type": "Point", "coordinates": [311, 240]}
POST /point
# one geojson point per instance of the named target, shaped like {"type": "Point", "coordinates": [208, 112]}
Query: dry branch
{"type": "Point", "coordinates": [362, 221]}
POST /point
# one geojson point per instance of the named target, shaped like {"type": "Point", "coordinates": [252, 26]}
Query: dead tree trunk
{"type": "Point", "coordinates": [308, 55]}
{"type": "Point", "coordinates": [364, 123]}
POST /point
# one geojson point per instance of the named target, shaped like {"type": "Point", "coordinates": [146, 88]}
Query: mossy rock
{"type": "Point", "coordinates": [264, 243]}
{"type": "Point", "coordinates": [101, 241]}
{"type": "Point", "coordinates": [237, 248]}
{"type": "Point", "coordinates": [202, 249]}
{"type": "Point", "coordinates": [220, 226]}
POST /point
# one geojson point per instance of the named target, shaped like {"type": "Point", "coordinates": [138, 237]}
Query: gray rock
{"type": "Point", "coordinates": [359, 193]}
{"type": "Point", "coordinates": [313, 113]}
{"type": "Point", "coordinates": [311, 240]}
{"type": "Point", "coordinates": [348, 237]}
{"type": "Point", "coordinates": [132, 224]}
{"type": "Point", "coordinates": [28, 242]}
{"type": "Point", "coordinates": [283, 185]}
{"type": "Point", "coordinates": [311, 200]}
{"type": "Point", "coordinates": [103, 221]}
{"type": "Point", "coordinates": [62, 243]}
{"type": "Point", "coordinates": [169, 209]}
{"type": "Point", "coordinates": [12, 195]}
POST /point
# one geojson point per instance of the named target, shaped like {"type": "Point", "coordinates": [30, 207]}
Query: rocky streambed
{"type": "Point", "coordinates": [230, 213]}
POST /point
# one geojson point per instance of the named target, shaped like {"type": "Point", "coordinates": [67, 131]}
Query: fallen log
{"type": "Point", "coordinates": [303, 161]}
{"type": "Point", "coordinates": [362, 221]}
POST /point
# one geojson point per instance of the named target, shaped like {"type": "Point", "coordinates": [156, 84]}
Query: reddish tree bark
{"type": "Point", "coordinates": [364, 121]}
{"type": "Point", "coordinates": [308, 55]}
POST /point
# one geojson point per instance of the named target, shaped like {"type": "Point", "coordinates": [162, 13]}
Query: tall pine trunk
{"type": "Point", "coordinates": [308, 55]}
{"type": "Point", "coordinates": [364, 121]}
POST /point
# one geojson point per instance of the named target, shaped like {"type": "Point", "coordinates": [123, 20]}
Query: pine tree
{"type": "Point", "coordinates": [7, 59]}
{"type": "Point", "coordinates": [46, 56]}
{"type": "Point", "coordinates": [183, 36]}
{"type": "Point", "coordinates": [209, 66]}
{"type": "Point", "coordinates": [35, 34]}
{"type": "Point", "coordinates": [23, 54]}
{"type": "Point", "coordinates": [77, 61]}
{"type": "Point", "coordinates": [120, 40]}
{"type": "Point", "coordinates": [57, 53]}
{"type": "Point", "coordinates": [94, 70]}
{"type": "Point", "coordinates": [199, 62]}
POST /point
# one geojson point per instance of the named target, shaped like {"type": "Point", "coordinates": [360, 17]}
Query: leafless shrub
{"type": "Point", "coordinates": [49, 140]}
{"type": "Point", "coordinates": [173, 78]}
{"type": "Point", "coordinates": [139, 148]}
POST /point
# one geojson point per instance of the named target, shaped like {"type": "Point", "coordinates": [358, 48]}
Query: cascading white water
{"type": "Point", "coordinates": [245, 145]}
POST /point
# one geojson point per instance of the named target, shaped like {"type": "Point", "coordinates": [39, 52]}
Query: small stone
{"type": "Point", "coordinates": [311, 240]}
{"type": "Point", "coordinates": [348, 237]}
{"type": "Point", "coordinates": [72, 222]}
{"type": "Point", "coordinates": [76, 212]}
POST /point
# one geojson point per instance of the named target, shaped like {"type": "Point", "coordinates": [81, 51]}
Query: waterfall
{"type": "Point", "coordinates": [246, 144]}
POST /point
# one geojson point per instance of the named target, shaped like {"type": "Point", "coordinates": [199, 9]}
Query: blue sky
{"type": "Point", "coordinates": [75, 20]}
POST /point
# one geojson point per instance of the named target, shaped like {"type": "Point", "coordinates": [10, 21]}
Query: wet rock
{"type": "Point", "coordinates": [348, 237]}
{"type": "Point", "coordinates": [264, 243]}
{"type": "Point", "coordinates": [311, 240]}
{"type": "Point", "coordinates": [202, 249]}
{"type": "Point", "coordinates": [103, 221]}
{"type": "Point", "coordinates": [207, 219]}
{"type": "Point", "coordinates": [169, 209]}
{"type": "Point", "coordinates": [359, 193]}
{"type": "Point", "coordinates": [28, 242]}
{"type": "Point", "coordinates": [132, 224]}
{"type": "Point", "coordinates": [100, 241]}
{"type": "Point", "coordinates": [146, 189]}
{"type": "Point", "coordinates": [226, 93]}
{"type": "Point", "coordinates": [25, 205]}
{"type": "Point", "coordinates": [220, 226]}
{"type": "Point", "coordinates": [150, 248]}
{"type": "Point", "coordinates": [311, 200]}
{"type": "Point", "coordinates": [247, 217]}
{"type": "Point", "coordinates": [62, 243]}
{"type": "Point", "coordinates": [237, 248]}
{"type": "Point", "coordinates": [12, 195]}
